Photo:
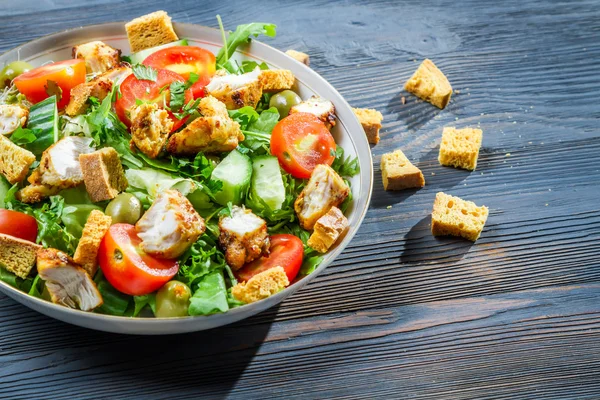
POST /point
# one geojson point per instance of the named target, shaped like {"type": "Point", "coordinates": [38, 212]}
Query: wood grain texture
{"type": "Point", "coordinates": [400, 314]}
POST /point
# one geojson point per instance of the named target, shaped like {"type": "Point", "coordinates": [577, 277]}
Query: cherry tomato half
{"type": "Point", "coordinates": [19, 225]}
{"type": "Point", "coordinates": [286, 251]}
{"type": "Point", "coordinates": [66, 74]}
{"type": "Point", "coordinates": [301, 141]}
{"type": "Point", "coordinates": [127, 267]}
{"type": "Point", "coordinates": [185, 60]}
{"type": "Point", "coordinates": [158, 92]}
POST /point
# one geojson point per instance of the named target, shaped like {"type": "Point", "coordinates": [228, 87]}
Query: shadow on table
{"type": "Point", "coordinates": [415, 113]}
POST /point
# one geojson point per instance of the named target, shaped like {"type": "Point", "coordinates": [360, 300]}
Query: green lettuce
{"type": "Point", "coordinates": [241, 35]}
{"type": "Point", "coordinates": [210, 296]}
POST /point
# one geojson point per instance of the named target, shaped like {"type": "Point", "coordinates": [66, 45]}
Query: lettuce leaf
{"type": "Point", "coordinates": [241, 35]}
{"type": "Point", "coordinates": [256, 127]}
{"type": "Point", "coordinates": [211, 295]}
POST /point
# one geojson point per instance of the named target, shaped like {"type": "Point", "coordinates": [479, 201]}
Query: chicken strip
{"type": "Point", "coordinates": [150, 128]}
{"type": "Point", "coordinates": [237, 91]}
{"type": "Point", "coordinates": [322, 108]}
{"type": "Point", "coordinates": [170, 226]}
{"type": "Point", "coordinates": [243, 237]}
{"type": "Point", "coordinates": [325, 189]}
{"type": "Point", "coordinates": [68, 284]}
{"type": "Point", "coordinates": [60, 166]}
{"type": "Point", "coordinates": [98, 56]}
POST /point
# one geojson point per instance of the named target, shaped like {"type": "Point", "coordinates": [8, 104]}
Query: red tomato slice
{"type": "Point", "coordinates": [183, 60]}
{"type": "Point", "coordinates": [127, 267]}
{"type": "Point", "coordinates": [158, 92]}
{"type": "Point", "coordinates": [198, 88]}
{"type": "Point", "coordinates": [286, 251]}
{"type": "Point", "coordinates": [19, 225]}
{"type": "Point", "coordinates": [66, 74]}
{"type": "Point", "coordinates": [301, 141]}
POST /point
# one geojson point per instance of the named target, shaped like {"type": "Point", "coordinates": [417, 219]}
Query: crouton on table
{"type": "Point", "coordinates": [243, 236]}
{"type": "Point", "coordinates": [103, 174]}
{"type": "Point", "coordinates": [14, 160]}
{"type": "Point", "coordinates": [460, 147]}
{"type": "Point", "coordinates": [94, 230]}
{"type": "Point", "coordinates": [299, 56]}
{"type": "Point", "coordinates": [454, 216]}
{"type": "Point", "coordinates": [430, 84]}
{"type": "Point", "coordinates": [277, 79]}
{"type": "Point", "coordinates": [98, 56]}
{"type": "Point", "coordinates": [17, 255]}
{"type": "Point", "coordinates": [371, 122]}
{"type": "Point", "coordinates": [261, 286]}
{"type": "Point", "coordinates": [150, 128]}
{"type": "Point", "coordinates": [399, 173]}
{"type": "Point", "coordinates": [150, 30]}
{"type": "Point", "coordinates": [11, 117]}
{"type": "Point", "coordinates": [322, 108]}
{"type": "Point", "coordinates": [327, 230]}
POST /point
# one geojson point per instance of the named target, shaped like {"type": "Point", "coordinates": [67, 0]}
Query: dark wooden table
{"type": "Point", "coordinates": [400, 314]}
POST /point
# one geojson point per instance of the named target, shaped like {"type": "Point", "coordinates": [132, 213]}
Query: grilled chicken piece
{"type": "Point", "coordinates": [36, 192]}
{"type": "Point", "coordinates": [150, 128]}
{"type": "Point", "coordinates": [322, 108]}
{"type": "Point", "coordinates": [325, 189]}
{"type": "Point", "coordinates": [117, 74]}
{"type": "Point", "coordinates": [237, 91]}
{"type": "Point", "coordinates": [243, 237]}
{"type": "Point", "coordinates": [68, 284]}
{"type": "Point", "coordinates": [170, 226]}
{"type": "Point", "coordinates": [213, 132]}
{"type": "Point", "coordinates": [98, 56]}
{"type": "Point", "coordinates": [78, 104]}
{"type": "Point", "coordinates": [59, 165]}
{"type": "Point", "coordinates": [11, 117]}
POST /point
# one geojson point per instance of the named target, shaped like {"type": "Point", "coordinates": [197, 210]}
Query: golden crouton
{"type": "Point", "coordinates": [11, 117]}
{"type": "Point", "coordinates": [17, 255]}
{"type": "Point", "coordinates": [36, 192]}
{"type": "Point", "coordinates": [150, 128]}
{"type": "Point", "coordinates": [430, 84]}
{"type": "Point", "coordinates": [371, 122]}
{"type": "Point", "coordinates": [150, 30]}
{"type": "Point", "coordinates": [14, 160]}
{"type": "Point", "coordinates": [243, 237]}
{"type": "Point", "coordinates": [261, 286]}
{"type": "Point", "coordinates": [454, 216]}
{"type": "Point", "coordinates": [236, 91]}
{"type": "Point", "coordinates": [325, 189]}
{"type": "Point", "coordinates": [318, 106]}
{"type": "Point", "coordinates": [299, 56]}
{"type": "Point", "coordinates": [274, 80]}
{"type": "Point", "coordinates": [98, 88]}
{"type": "Point", "coordinates": [328, 229]}
{"type": "Point", "coordinates": [460, 147]}
{"type": "Point", "coordinates": [98, 56]}
{"type": "Point", "coordinates": [94, 230]}
{"type": "Point", "coordinates": [103, 174]}
{"type": "Point", "coordinates": [399, 173]}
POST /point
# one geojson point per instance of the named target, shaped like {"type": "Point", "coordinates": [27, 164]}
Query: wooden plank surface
{"type": "Point", "coordinates": [400, 314]}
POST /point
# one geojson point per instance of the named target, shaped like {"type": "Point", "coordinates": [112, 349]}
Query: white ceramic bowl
{"type": "Point", "coordinates": [348, 133]}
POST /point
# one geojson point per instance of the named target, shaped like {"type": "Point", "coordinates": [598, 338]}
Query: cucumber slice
{"type": "Point", "coordinates": [137, 58]}
{"type": "Point", "coordinates": [267, 182]}
{"type": "Point", "coordinates": [43, 118]}
{"type": "Point", "coordinates": [235, 171]}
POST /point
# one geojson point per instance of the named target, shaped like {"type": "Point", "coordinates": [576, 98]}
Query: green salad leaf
{"type": "Point", "coordinates": [23, 136]}
{"type": "Point", "coordinates": [256, 127]}
{"type": "Point", "coordinates": [140, 302]}
{"type": "Point", "coordinates": [211, 295]}
{"type": "Point", "coordinates": [241, 35]}
{"type": "Point", "coordinates": [201, 259]}
{"type": "Point", "coordinates": [345, 166]}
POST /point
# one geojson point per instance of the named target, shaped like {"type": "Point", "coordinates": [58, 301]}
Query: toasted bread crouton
{"type": "Point", "coordinates": [454, 216]}
{"type": "Point", "coordinates": [371, 122]}
{"type": "Point", "coordinates": [299, 56]}
{"type": "Point", "coordinates": [399, 173]}
{"type": "Point", "coordinates": [460, 147]}
{"type": "Point", "coordinates": [325, 189]}
{"type": "Point", "coordinates": [261, 286]}
{"type": "Point", "coordinates": [327, 230]}
{"type": "Point", "coordinates": [213, 132]}
{"type": "Point", "coordinates": [98, 56]}
{"type": "Point", "coordinates": [36, 192]}
{"type": "Point", "coordinates": [275, 80]}
{"type": "Point", "coordinates": [103, 174]}
{"type": "Point", "coordinates": [11, 117]}
{"type": "Point", "coordinates": [14, 160]}
{"type": "Point", "coordinates": [60, 166]}
{"type": "Point", "coordinates": [236, 91]}
{"type": "Point", "coordinates": [322, 108]}
{"type": "Point", "coordinates": [430, 84]}
{"type": "Point", "coordinates": [243, 237]}
{"type": "Point", "coordinates": [17, 255]}
{"type": "Point", "coordinates": [68, 284]}
{"type": "Point", "coordinates": [150, 30]}
{"type": "Point", "coordinates": [94, 230]}
{"type": "Point", "coordinates": [78, 103]}
{"type": "Point", "coordinates": [150, 128]}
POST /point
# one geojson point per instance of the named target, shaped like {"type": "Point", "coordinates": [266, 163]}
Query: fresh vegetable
{"type": "Point", "coordinates": [43, 123]}
{"type": "Point", "coordinates": [18, 224]}
{"type": "Point", "coordinates": [127, 268]}
{"type": "Point", "coordinates": [256, 127]}
{"type": "Point", "coordinates": [125, 208]}
{"type": "Point", "coordinates": [11, 71]}
{"type": "Point", "coordinates": [173, 300]}
{"type": "Point", "coordinates": [140, 56]}
{"type": "Point", "coordinates": [211, 295]}
{"type": "Point", "coordinates": [301, 141]}
{"type": "Point", "coordinates": [267, 182]}
{"type": "Point", "coordinates": [57, 79]}
{"type": "Point", "coordinates": [284, 101]}
{"type": "Point", "coordinates": [286, 251]}
{"type": "Point", "coordinates": [241, 35]}
{"type": "Point", "coordinates": [235, 172]}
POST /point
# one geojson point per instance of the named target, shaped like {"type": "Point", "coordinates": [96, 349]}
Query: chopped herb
{"type": "Point", "coordinates": [143, 72]}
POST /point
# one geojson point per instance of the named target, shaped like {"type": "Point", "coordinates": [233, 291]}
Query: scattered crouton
{"type": "Point", "coordinates": [299, 56]}
{"type": "Point", "coordinates": [14, 160]}
{"type": "Point", "coordinates": [150, 30]}
{"type": "Point", "coordinates": [261, 286]}
{"type": "Point", "coordinates": [103, 174]}
{"type": "Point", "coordinates": [328, 229]}
{"type": "Point", "coordinates": [430, 84]}
{"type": "Point", "coordinates": [454, 216]}
{"type": "Point", "coordinates": [94, 230]}
{"type": "Point", "coordinates": [11, 117]}
{"type": "Point", "coordinates": [274, 80]}
{"type": "Point", "coordinates": [150, 128]}
{"type": "Point", "coordinates": [371, 122]}
{"type": "Point", "coordinates": [98, 56]}
{"type": "Point", "coordinates": [98, 88]}
{"type": "Point", "coordinates": [17, 255]}
{"type": "Point", "coordinates": [460, 147]}
{"type": "Point", "coordinates": [399, 173]}
{"type": "Point", "coordinates": [322, 108]}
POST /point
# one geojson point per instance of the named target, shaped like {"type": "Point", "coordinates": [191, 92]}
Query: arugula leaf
{"type": "Point", "coordinates": [211, 295]}
{"type": "Point", "coordinates": [143, 72]}
{"type": "Point", "coordinates": [241, 35]}
{"type": "Point", "coordinates": [23, 136]}
{"type": "Point", "coordinates": [177, 90]}
{"type": "Point", "coordinates": [345, 166]}
{"type": "Point", "coordinates": [249, 66]}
